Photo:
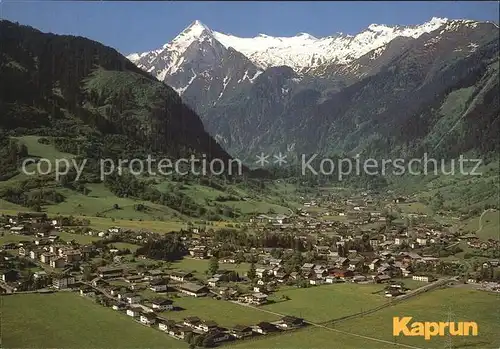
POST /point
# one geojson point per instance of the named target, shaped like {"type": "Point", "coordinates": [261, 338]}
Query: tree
{"type": "Point", "coordinates": [437, 202]}
{"type": "Point", "coordinates": [189, 338]}
{"type": "Point", "coordinates": [251, 272]}
{"type": "Point", "coordinates": [208, 342]}
{"type": "Point", "coordinates": [198, 341]}
{"type": "Point", "coordinates": [213, 265]}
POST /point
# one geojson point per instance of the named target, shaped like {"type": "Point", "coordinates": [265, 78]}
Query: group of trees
{"type": "Point", "coordinates": [169, 248]}
{"type": "Point", "coordinates": [10, 155]}
{"type": "Point", "coordinates": [199, 340]}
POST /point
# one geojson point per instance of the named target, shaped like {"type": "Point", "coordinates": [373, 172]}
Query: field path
{"type": "Point", "coordinates": [333, 329]}
{"type": "Point", "coordinates": [481, 218]}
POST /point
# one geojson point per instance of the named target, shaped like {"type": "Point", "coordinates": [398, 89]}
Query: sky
{"type": "Point", "coordinates": [142, 26]}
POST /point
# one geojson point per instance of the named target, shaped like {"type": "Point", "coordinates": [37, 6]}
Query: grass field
{"type": "Point", "coordinates": [223, 312]}
{"type": "Point", "coordinates": [8, 238]}
{"type": "Point", "coordinates": [415, 207]}
{"type": "Point", "coordinates": [490, 225]}
{"type": "Point", "coordinates": [464, 304]}
{"type": "Point", "coordinates": [79, 238]}
{"type": "Point", "coordinates": [410, 283]}
{"type": "Point", "coordinates": [125, 245]}
{"type": "Point", "coordinates": [327, 302]}
{"type": "Point", "coordinates": [66, 320]}
{"type": "Point", "coordinates": [311, 338]}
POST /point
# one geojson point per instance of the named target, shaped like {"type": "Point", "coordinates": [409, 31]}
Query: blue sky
{"type": "Point", "coordinates": [139, 26]}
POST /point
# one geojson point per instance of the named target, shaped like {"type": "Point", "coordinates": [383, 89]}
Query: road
{"type": "Point", "coordinates": [481, 218]}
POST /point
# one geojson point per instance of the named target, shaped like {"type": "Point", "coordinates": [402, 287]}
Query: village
{"type": "Point", "coordinates": [145, 275]}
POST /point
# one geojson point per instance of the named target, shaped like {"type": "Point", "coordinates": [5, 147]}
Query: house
{"type": "Point", "coordinates": [162, 304]}
{"type": "Point", "coordinates": [35, 254]}
{"type": "Point", "coordinates": [330, 279]}
{"type": "Point", "coordinates": [307, 267]}
{"type": "Point", "coordinates": [289, 322]}
{"type": "Point", "coordinates": [63, 282]}
{"type": "Point", "coordinates": [181, 276]}
{"type": "Point", "coordinates": [192, 321]}
{"type": "Point", "coordinates": [148, 319]}
{"type": "Point", "coordinates": [424, 278]}
{"type": "Point", "coordinates": [315, 281]}
{"type": "Point", "coordinates": [382, 278]}
{"type": "Point", "coordinates": [355, 264]}
{"type": "Point", "coordinates": [342, 274]}
{"type": "Point", "coordinates": [87, 291]}
{"type": "Point", "coordinates": [10, 276]}
{"type": "Point", "coordinates": [119, 306]}
{"type": "Point", "coordinates": [134, 311]}
{"type": "Point", "coordinates": [193, 289]}
{"type": "Point", "coordinates": [240, 331]}
{"type": "Point", "coordinates": [422, 241]}
{"type": "Point", "coordinates": [375, 264]}
{"type": "Point", "coordinates": [179, 331]}
{"type": "Point", "coordinates": [158, 285]}
{"type": "Point", "coordinates": [207, 326]}
{"type": "Point", "coordinates": [393, 293]}
{"type": "Point", "coordinates": [134, 278]}
{"type": "Point", "coordinates": [42, 242]}
{"type": "Point", "coordinates": [257, 298]}
{"type": "Point", "coordinates": [57, 262]}
{"type": "Point", "coordinates": [275, 262]}
{"type": "Point", "coordinates": [359, 278]}
{"type": "Point", "coordinates": [109, 272]}
{"type": "Point", "coordinates": [23, 251]}
{"type": "Point", "coordinates": [21, 229]}
{"type": "Point", "coordinates": [265, 328]}
{"type": "Point", "coordinates": [400, 240]}
{"type": "Point", "coordinates": [281, 277]}
{"type": "Point", "coordinates": [260, 272]}
{"type": "Point", "coordinates": [199, 252]}
{"type": "Point", "coordinates": [213, 281]}
{"type": "Point", "coordinates": [218, 336]}
{"type": "Point", "coordinates": [46, 257]}
{"type": "Point", "coordinates": [72, 255]}
{"type": "Point", "coordinates": [131, 298]}
{"type": "Point", "coordinates": [165, 325]}
{"type": "Point", "coordinates": [40, 274]}
{"type": "Point", "coordinates": [153, 275]}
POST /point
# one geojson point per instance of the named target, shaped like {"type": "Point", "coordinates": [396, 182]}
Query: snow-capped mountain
{"type": "Point", "coordinates": [298, 52]}
{"type": "Point", "coordinates": [279, 93]}
{"type": "Point", "coordinates": [196, 58]}
{"type": "Point", "coordinates": [304, 50]}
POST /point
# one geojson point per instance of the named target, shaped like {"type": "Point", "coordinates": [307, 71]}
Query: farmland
{"type": "Point", "coordinates": [310, 337]}
{"type": "Point", "coordinates": [66, 320]}
{"type": "Point", "coordinates": [223, 312]}
{"type": "Point", "coordinates": [460, 304]}
{"type": "Point", "coordinates": [327, 302]}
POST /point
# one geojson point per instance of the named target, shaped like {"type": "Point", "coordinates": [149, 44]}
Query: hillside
{"type": "Point", "coordinates": [386, 91]}
{"type": "Point", "coordinates": [66, 97]}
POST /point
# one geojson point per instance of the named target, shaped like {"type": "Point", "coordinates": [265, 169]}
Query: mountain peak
{"type": "Point", "coordinates": [197, 28]}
